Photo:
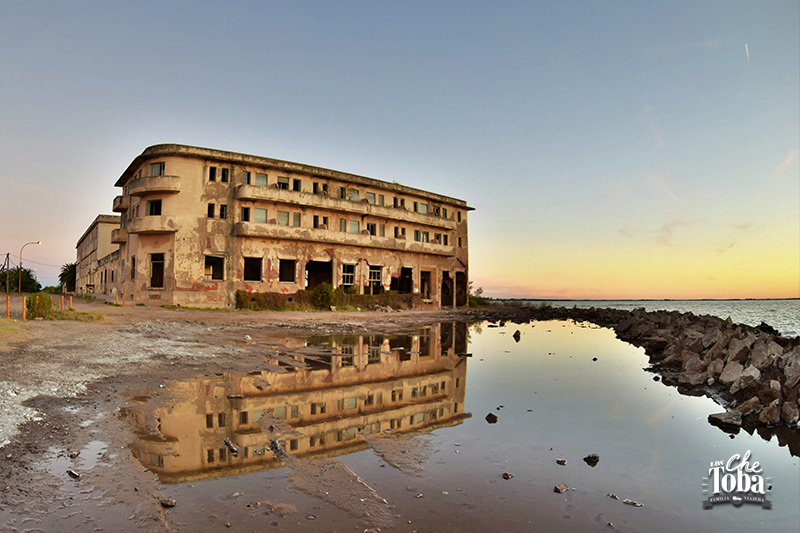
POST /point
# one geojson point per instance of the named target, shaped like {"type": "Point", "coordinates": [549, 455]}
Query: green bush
{"type": "Point", "coordinates": [323, 296]}
{"type": "Point", "coordinates": [39, 305]}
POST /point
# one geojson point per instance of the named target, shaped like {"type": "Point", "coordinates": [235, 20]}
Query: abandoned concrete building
{"type": "Point", "coordinates": [95, 254]}
{"type": "Point", "coordinates": [199, 224]}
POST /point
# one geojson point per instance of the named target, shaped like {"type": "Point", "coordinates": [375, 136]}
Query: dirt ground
{"type": "Point", "coordinates": [63, 383]}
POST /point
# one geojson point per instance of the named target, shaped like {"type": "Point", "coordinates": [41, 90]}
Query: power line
{"type": "Point", "coordinates": [36, 262]}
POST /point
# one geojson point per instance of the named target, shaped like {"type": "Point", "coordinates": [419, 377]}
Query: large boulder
{"type": "Point", "coordinates": [790, 413]}
{"type": "Point", "coordinates": [692, 378]}
{"type": "Point", "coordinates": [771, 414]}
{"type": "Point", "coordinates": [753, 405]}
{"type": "Point", "coordinates": [765, 353]}
{"type": "Point", "coordinates": [693, 339]}
{"type": "Point", "coordinates": [732, 420]}
{"type": "Point", "coordinates": [731, 373]}
{"type": "Point", "coordinates": [715, 368]}
{"type": "Point", "coordinates": [792, 371]}
{"type": "Point", "coordinates": [750, 375]}
{"type": "Point", "coordinates": [693, 363]}
{"type": "Point", "coordinates": [737, 351]}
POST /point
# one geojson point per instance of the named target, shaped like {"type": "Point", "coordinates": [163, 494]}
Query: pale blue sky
{"type": "Point", "coordinates": [611, 149]}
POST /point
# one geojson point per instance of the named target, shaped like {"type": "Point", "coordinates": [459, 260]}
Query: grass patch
{"type": "Point", "coordinates": [77, 316]}
{"type": "Point", "coordinates": [11, 332]}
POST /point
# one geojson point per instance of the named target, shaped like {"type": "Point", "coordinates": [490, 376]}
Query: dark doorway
{"type": "Point", "coordinates": [447, 289]}
{"type": "Point", "coordinates": [425, 284]}
{"type": "Point", "coordinates": [318, 272]}
{"type": "Point", "coordinates": [404, 284]}
{"type": "Point", "coordinates": [461, 289]}
{"type": "Point", "coordinates": [446, 338]}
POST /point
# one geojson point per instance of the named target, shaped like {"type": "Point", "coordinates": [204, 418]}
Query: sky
{"type": "Point", "coordinates": [610, 149]}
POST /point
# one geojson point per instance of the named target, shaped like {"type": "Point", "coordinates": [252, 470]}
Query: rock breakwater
{"type": "Point", "coordinates": [752, 371]}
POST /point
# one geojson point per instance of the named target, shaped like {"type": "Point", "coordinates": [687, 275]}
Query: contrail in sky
{"type": "Point", "coordinates": [747, 52]}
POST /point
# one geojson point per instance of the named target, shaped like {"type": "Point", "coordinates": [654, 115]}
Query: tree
{"type": "Point", "coordinates": [68, 275]}
{"type": "Point", "coordinates": [29, 282]}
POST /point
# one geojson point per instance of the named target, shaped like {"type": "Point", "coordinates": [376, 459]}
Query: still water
{"type": "Point", "coordinates": [564, 391]}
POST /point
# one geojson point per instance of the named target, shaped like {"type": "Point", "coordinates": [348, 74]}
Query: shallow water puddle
{"type": "Point", "coordinates": [356, 405]}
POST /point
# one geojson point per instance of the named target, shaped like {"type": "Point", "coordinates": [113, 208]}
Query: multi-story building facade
{"type": "Point", "coordinates": [199, 224]}
{"type": "Point", "coordinates": [95, 252]}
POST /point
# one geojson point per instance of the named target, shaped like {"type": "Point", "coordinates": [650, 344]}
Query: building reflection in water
{"type": "Point", "coordinates": [325, 397]}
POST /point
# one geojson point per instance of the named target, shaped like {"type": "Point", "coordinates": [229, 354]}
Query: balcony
{"type": "Point", "coordinates": [119, 235]}
{"type": "Point", "coordinates": [283, 196]}
{"type": "Point", "coordinates": [274, 231]}
{"type": "Point", "coordinates": [153, 224]}
{"type": "Point", "coordinates": [121, 204]}
{"type": "Point", "coordinates": [154, 184]}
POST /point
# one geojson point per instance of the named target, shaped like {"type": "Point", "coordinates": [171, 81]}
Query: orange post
{"type": "Point", "coordinates": [123, 299]}
{"type": "Point", "coordinates": [24, 298]}
{"type": "Point", "coordinates": [62, 302]}
{"type": "Point", "coordinates": [117, 299]}
{"type": "Point", "coordinates": [70, 302]}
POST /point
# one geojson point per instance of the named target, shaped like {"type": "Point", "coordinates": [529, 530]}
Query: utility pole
{"type": "Point", "coordinates": [7, 269]}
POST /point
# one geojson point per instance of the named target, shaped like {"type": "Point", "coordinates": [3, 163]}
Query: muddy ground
{"type": "Point", "coordinates": [62, 385]}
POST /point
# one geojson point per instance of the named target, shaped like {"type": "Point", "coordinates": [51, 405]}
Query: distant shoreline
{"type": "Point", "coordinates": [640, 299]}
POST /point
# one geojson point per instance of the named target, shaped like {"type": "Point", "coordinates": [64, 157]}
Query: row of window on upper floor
{"type": "Point", "coordinates": [259, 179]}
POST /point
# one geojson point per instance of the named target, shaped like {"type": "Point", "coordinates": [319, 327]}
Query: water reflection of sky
{"type": "Point", "coordinates": [655, 444]}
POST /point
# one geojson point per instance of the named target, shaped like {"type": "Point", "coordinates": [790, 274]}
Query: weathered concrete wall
{"type": "Point", "coordinates": [190, 227]}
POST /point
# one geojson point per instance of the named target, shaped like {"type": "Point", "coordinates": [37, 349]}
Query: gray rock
{"type": "Point", "coordinates": [771, 414]}
{"type": "Point", "coordinates": [715, 367]}
{"type": "Point", "coordinates": [753, 405]}
{"type": "Point", "coordinates": [692, 378]}
{"type": "Point", "coordinates": [711, 338]}
{"type": "Point", "coordinates": [693, 363]}
{"type": "Point", "coordinates": [737, 351]}
{"type": "Point", "coordinates": [727, 420]}
{"type": "Point", "coordinates": [749, 376]}
{"type": "Point", "coordinates": [790, 413]}
{"type": "Point", "coordinates": [731, 373]}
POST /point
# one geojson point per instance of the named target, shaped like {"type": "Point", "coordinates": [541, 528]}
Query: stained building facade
{"type": "Point", "coordinates": [197, 225]}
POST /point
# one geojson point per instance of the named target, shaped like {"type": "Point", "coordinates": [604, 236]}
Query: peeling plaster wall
{"type": "Point", "coordinates": [186, 235]}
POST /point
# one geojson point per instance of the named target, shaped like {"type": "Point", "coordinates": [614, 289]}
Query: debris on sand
{"type": "Point", "coordinates": [169, 503]}
{"type": "Point", "coordinates": [491, 418]}
{"type": "Point", "coordinates": [560, 488]}
{"type": "Point", "coordinates": [506, 475]}
{"type": "Point", "coordinates": [562, 462]}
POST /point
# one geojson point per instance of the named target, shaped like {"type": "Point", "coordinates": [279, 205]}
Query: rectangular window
{"type": "Point", "coordinates": [399, 202]}
{"type": "Point", "coordinates": [423, 208]}
{"type": "Point", "coordinates": [342, 225]}
{"type": "Point", "coordinates": [381, 230]}
{"type": "Point", "coordinates": [297, 185]}
{"type": "Point", "coordinates": [371, 198]}
{"type": "Point", "coordinates": [436, 210]}
{"type": "Point", "coordinates": [157, 271]}
{"type": "Point", "coordinates": [260, 215]}
{"type": "Point", "coordinates": [214, 267]}
{"type": "Point", "coordinates": [221, 420]}
{"type": "Point", "coordinates": [211, 209]}
{"type": "Point", "coordinates": [372, 228]}
{"type": "Point", "coordinates": [245, 214]}
{"type": "Point", "coordinates": [252, 269]}
{"type": "Point", "coordinates": [321, 188]}
{"type": "Point", "coordinates": [354, 226]}
{"type": "Point", "coordinates": [296, 220]}
{"type": "Point", "coordinates": [209, 420]}
{"type": "Point", "coordinates": [153, 208]}
{"type": "Point", "coordinates": [243, 419]}
{"type": "Point", "coordinates": [445, 239]}
{"type": "Point", "coordinates": [223, 211]}
{"type": "Point", "coordinates": [375, 274]}
{"type": "Point", "coordinates": [399, 233]}
{"type": "Point", "coordinates": [353, 195]}
{"type": "Point", "coordinates": [224, 177]}
{"type": "Point", "coordinates": [437, 238]}
{"type": "Point", "coordinates": [156, 169]}
{"type": "Point", "coordinates": [459, 242]}
{"type": "Point", "coordinates": [210, 456]}
{"type": "Point", "coordinates": [223, 454]}
{"type": "Point", "coordinates": [133, 267]}
{"type": "Point", "coordinates": [343, 193]}
{"type": "Point", "coordinates": [458, 215]}
{"type": "Point", "coordinates": [348, 275]}
{"type": "Point", "coordinates": [261, 180]}
{"type": "Point", "coordinates": [317, 408]}
{"type": "Point", "coordinates": [283, 218]}
{"type": "Point", "coordinates": [287, 270]}
{"type": "Point", "coordinates": [380, 199]}
{"type": "Point", "coordinates": [444, 212]}
{"type": "Point", "coordinates": [246, 177]}
{"type": "Point", "coordinates": [283, 183]}
{"type": "Point", "coordinates": [212, 173]}
{"type": "Point", "coordinates": [279, 412]}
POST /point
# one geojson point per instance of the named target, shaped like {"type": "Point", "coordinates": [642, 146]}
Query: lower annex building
{"type": "Point", "coordinates": [198, 224]}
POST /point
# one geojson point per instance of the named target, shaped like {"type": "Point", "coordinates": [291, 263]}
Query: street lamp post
{"type": "Point", "coordinates": [19, 273]}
